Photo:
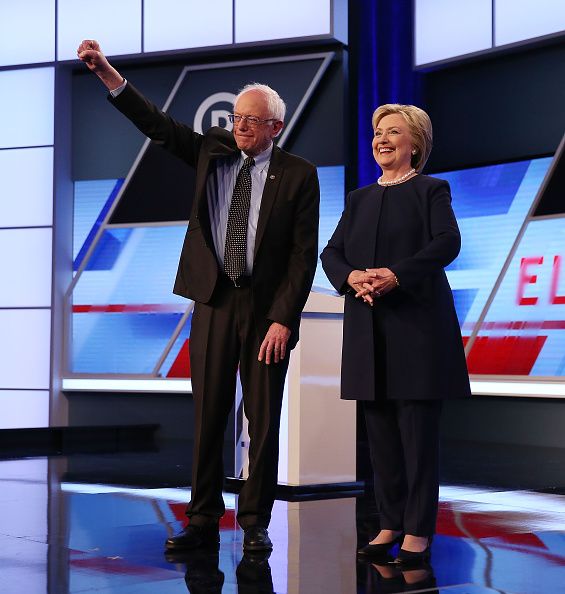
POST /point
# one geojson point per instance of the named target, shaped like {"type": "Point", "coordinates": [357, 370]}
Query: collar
{"type": "Point", "coordinates": [262, 159]}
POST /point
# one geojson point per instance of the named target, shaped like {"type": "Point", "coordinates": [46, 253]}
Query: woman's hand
{"type": "Point", "coordinates": [358, 280]}
{"type": "Point", "coordinates": [382, 282]}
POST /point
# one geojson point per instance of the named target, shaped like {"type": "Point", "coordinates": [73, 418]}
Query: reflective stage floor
{"type": "Point", "coordinates": [68, 537]}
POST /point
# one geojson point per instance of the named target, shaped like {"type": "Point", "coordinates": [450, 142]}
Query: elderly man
{"type": "Point", "coordinates": [248, 261]}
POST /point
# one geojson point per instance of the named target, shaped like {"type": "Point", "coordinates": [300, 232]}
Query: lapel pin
{"type": "Point", "coordinates": [271, 176]}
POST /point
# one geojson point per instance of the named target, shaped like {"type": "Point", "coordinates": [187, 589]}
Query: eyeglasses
{"type": "Point", "coordinates": [251, 120]}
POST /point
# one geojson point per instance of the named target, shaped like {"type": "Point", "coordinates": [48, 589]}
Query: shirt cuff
{"type": "Point", "coordinates": [118, 90]}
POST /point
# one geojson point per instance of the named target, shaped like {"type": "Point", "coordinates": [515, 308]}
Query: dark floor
{"type": "Point", "coordinates": [463, 463]}
{"type": "Point", "coordinates": [65, 528]}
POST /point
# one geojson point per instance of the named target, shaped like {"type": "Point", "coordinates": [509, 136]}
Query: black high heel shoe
{"type": "Point", "coordinates": [411, 558]}
{"type": "Point", "coordinates": [378, 551]}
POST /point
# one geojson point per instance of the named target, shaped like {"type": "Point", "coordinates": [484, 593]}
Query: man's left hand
{"type": "Point", "coordinates": [274, 344]}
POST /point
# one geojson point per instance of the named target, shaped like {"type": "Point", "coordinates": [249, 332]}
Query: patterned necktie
{"type": "Point", "coordinates": [236, 236]}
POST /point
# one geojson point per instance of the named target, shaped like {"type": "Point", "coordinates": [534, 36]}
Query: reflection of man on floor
{"type": "Point", "coordinates": [248, 262]}
{"type": "Point", "coordinates": [204, 576]}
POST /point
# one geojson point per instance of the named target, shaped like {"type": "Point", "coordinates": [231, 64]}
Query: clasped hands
{"type": "Point", "coordinates": [372, 283]}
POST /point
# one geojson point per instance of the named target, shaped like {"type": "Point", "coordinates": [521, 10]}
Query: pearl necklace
{"type": "Point", "coordinates": [398, 180]}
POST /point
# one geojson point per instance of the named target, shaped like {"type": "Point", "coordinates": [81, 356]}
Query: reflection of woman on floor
{"type": "Point", "coordinates": [394, 578]}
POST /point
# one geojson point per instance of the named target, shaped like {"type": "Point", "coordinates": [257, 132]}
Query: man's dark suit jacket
{"type": "Point", "coordinates": [286, 242]}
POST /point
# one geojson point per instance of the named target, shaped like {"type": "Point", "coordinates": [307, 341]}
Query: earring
{"type": "Point", "coordinates": [414, 151]}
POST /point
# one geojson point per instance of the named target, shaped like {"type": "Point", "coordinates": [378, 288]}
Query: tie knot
{"type": "Point", "coordinates": [249, 162]}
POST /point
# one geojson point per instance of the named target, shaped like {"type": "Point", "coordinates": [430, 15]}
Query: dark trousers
{"type": "Point", "coordinates": [404, 445]}
{"type": "Point", "coordinates": [223, 338]}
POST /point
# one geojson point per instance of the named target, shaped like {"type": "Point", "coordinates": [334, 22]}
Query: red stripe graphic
{"type": "Point", "coordinates": [227, 521]}
{"type": "Point", "coordinates": [181, 365]}
{"type": "Point", "coordinates": [131, 308]}
{"type": "Point", "coordinates": [529, 325]}
{"type": "Point", "coordinates": [503, 525]}
{"type": "Point", "coordinates": [505, 355]}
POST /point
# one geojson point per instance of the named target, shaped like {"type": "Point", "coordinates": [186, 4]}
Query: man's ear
{"type": "Point", "coordinates": [277, 128]}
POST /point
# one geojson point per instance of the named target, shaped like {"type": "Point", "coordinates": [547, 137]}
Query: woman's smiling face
{"type": "Point", "coordinates": [393, 144]}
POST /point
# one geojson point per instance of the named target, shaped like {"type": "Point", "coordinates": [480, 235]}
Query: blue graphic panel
{"type": "Point", "coordinates": [108, 249]}
{"type": "Point", "coordinates": [463, 299]}
{"type": "Point", "coordinates": [332, 200]}
{"type": "Point", "coordinates": [491, 204]}
{"type": "Point", "coordinates": [120, 342]}
{"type": "Point", "coordinates": [144, 264]}
{"type": "Point", "coordinates": [486, 190]}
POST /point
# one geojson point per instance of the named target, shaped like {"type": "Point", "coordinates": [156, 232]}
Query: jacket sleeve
{"type": "Point", "coordinates": [174, 136]}
{"type": "Point", "coordinates": [443, 246]}
{"type": "Point", "coordinates": [334, 263]}
{"type": "Point", "coordinates": [293, 292]}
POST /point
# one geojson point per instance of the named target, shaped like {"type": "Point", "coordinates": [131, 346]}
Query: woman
{"type": "Point", "coordinates": [402, 348]}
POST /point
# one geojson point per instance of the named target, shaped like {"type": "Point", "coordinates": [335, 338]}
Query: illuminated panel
{"type": "Point", "coordinates": [115, 25]}
{"type": "Point", "coordinates": [261, 20]}
{"type": "Point", "coordinates": [332, 184]}
{"type": "Point", "coordinates": [445, 29]}
{"type": "Point", "coordinates": [524, 330]}
{"type": "Point", "coordinates": [22, 408]}
{"type": "Point", "coordinates": [25, 267]}
{"type": "Point", "coordinates": [529, 389]}
{"type": "Point", "coordinates": [26, 111]}
{"type": "Point", "coordinates": [491, 204]}
{"type": "Point", "coordinates": [25, 348]}
{"type": "Point", "coordinates": [37, 44]}
{"type": "Point", "coordinates": [518, 20]}
{"type": "Point", "coordinates": [156, 385]}
{"type": "Point", "coordinates": [26, 187]}
{"type": "Point", "coordinates": [176, 24]}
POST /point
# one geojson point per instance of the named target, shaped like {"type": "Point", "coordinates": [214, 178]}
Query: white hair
{"type": "Point", "coordinates": [275, 105]}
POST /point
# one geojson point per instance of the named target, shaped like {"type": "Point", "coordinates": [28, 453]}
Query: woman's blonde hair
{"type": "Point", "coordinates": [420, 127]}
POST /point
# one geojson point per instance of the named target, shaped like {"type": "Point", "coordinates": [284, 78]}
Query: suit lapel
{"type": "Point", "coordinates": [274, 175]}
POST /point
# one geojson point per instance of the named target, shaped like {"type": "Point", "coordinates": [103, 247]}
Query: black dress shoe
{"type": "Point", "coordinates": [194, 537]}
{"type": "Point", "coordinates": [256, 538]}
{"type": "Point", "coordinates": [378, 551]}
{"type": "Point", "coordinates": [411, 558]}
